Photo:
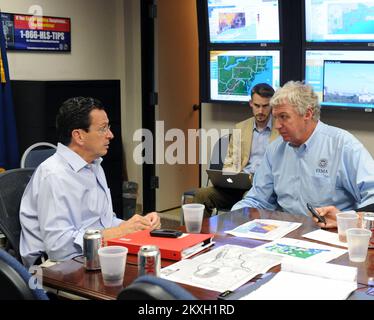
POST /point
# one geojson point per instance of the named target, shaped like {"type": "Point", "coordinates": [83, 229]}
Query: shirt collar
{"type": "Point", "coordinates": [74, 159]}
{"type": "Point", "coordinates": [312, 137]}
{"type": "Point", "coordinates": [268, 126]}
{"type": "Point", "coordinates": [307, 144]}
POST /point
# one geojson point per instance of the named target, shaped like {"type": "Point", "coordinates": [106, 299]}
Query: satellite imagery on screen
{"type": "Point", "coordinates": [243, 21]}
{"type": "Point", "coordinates": [350, 18]}
{"type": "Point", "coordinates": [337, 20]}
{"type": "Point", "coordinates": [233, 73]}
{"type": "Point", "coordinates": [237, 74]}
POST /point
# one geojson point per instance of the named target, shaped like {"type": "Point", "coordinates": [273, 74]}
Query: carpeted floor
{"type": "Point", "coordinates": [169, 224]}
{"type": "Point", "coordinates": [170, 219]}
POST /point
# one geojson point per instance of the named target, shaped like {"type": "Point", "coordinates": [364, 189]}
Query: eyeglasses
{"type": "Point", "coordinates": [104, 130]}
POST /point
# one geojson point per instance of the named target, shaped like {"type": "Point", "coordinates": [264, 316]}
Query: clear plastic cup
{"type": "Point", "coordinates": [358, 242]}
{"type": "Point", "coordinates": [346, 220]}
{"type": "Point", "coordinates": [193, 216]}
{"type": "Point", "coordinates": [113, 262]}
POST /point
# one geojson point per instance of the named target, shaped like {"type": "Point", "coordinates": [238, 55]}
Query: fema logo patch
{"type": "Point", "coordinates": [322, 170]}
{"type": "Point", "coordinates": [323, 163]}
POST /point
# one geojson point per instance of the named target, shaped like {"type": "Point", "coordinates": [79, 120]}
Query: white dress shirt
{"type": "Point", "coordinates": [260, 140]}
{"type": "Point", "coordinates": [64, 197]}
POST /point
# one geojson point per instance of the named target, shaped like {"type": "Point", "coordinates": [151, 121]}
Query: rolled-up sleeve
{"type": "Point", "coordinates": [261, 195]}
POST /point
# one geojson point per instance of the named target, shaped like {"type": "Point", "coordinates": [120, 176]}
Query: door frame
{"type": "Point", "coordinates": [149, 99]}
{"type": "Point", "coordinates": [148, 103]}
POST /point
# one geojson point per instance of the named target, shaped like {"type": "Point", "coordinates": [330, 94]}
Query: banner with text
{"type": "Point", "coordinates": [27, 32]}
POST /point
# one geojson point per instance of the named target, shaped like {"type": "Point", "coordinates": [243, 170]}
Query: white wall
{"type": "Point", "coordinates": [99, 51]}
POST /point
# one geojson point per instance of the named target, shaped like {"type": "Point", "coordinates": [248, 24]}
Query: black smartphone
{"type": "Point", "coordinates": [315, 213]}
{"type": "Point", "coordinates": [166, 233]}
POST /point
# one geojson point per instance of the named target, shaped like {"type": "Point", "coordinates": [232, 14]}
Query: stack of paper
{"type": "Point", "coordinates": [302, 280]}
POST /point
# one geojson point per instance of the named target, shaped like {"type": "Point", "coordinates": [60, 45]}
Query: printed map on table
{"type": "Point", "coordinates": [264, 229]}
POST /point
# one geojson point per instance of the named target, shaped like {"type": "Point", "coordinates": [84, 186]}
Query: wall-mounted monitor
{"type": "Point", "coordinates": [233, 73]}
{"type": "Point", "coordinates": [339, 21]}
{"type": "Point", "coordinates": [342, 79]}
{"type": "Point", "coordinates": [243, 21]}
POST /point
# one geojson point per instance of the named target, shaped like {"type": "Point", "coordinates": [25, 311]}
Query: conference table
{"type": "Point", "coordinates": [69, 278]}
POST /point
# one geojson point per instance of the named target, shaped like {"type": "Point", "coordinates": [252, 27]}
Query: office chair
{"type": "Point", "coordinates": [154, 288]}
{"type": "Point", "coordinates": [36, 154]}
{"type": "Point", "coordinates": [216, 162]}
{"type": "Point", "coordinates": [16, 282]}
{"type": "Point", "coordinates": [12, 185]}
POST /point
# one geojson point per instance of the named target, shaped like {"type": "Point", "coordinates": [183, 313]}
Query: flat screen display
{"type": "Point", "coordinates": [342, 78]}
{"type": "Point", "coordinates": [234, 73]}
{"type": "Point", "coordinates": [339, 20]}
{"type": "Point", "coordinates": [243, 21]}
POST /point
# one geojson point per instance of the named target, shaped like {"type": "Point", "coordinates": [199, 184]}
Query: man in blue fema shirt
{"type": "Point", "coordinates": [310, 162]}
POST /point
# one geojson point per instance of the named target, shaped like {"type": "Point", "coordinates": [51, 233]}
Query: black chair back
{"type": "Point", "coordinates": [12, 185]}
{"type": "Point", "coordinates": [36, 154]}
{"type": "Point", "coordinates": [219, 152]}
{"type": "Point", "coordinates": [36, 157]}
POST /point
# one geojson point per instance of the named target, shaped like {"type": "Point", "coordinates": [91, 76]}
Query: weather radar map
{"type": "Point", "coordinates": [339, 20]}
{"type": "Point", "coordinates": [350, 18]}
{"type": "Point", "coordinates": [236, 74]}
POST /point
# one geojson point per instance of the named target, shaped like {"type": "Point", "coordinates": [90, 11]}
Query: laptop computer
{"type": "Point", "coordinates": [229, 180]}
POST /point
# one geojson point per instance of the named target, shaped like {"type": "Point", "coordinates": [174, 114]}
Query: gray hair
{"type": "Point", "coordinates": [300, 95]}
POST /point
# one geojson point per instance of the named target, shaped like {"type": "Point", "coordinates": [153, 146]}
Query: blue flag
{"type": "Point", "coordinates": [9, 156]}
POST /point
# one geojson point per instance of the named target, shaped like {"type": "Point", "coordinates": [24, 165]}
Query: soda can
{"type": "Point", "coordinates": [368, 223]}
{"type": "Point", "coordinates": [149, 261]}
{"type": "Point", "coordinates": [92, 241]}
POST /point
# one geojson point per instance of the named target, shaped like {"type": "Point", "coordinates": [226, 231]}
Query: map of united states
{"type": "Point", "coordinates": [236, 74]}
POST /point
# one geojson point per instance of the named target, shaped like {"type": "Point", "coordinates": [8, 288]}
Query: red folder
{"type": "Point", "coordinates": [170, 248]}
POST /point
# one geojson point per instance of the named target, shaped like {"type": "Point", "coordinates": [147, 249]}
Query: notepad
{"type": "Point", "coordinates": [301, 280]}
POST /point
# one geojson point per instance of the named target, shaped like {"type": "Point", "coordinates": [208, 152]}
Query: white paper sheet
{"type": "Point", "coordinates": [325, 236]}
{"type": "Point", "coordinates": [264, 229]}
{"type": "Point", "coordinates": [302, 280]}
{"type": "Point", "coordinates": [224, 268]}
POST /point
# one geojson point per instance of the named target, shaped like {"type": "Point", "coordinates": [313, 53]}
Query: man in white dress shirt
{"type": "Point", "coordinates": [68, 192]}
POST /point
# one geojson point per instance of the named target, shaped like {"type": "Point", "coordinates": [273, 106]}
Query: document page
{"type": "Point", "coordinates": [264, 229]}
{"type": "Point", "coordinates": [224, 268]}
{"type": "Point", "coordinates": [325, 236]}
{"type": "Point", "coordinates": [290, 248]}
{"type": "Point", "coordinates": [308, 281]}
